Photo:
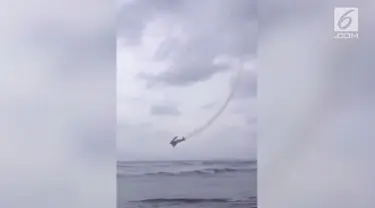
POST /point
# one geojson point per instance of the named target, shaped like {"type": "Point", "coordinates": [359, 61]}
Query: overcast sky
{"type": "Point", "coordinates": [57, 104]}
{"type": "Point", "coordinates": [58, 97]}
{"type": "Point", "coordinates": [316, 98]}
{"type": "Point", "coordinates": [176, 60]}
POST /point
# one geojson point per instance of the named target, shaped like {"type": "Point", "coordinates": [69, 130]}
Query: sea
{"type": "Point", "coordinates": [187, 184]}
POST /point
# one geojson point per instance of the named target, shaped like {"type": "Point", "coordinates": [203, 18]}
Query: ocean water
{"type": "Point", "coordinates": [186, 184]}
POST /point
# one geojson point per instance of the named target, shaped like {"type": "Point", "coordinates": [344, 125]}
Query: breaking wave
{"type": "Point", "coordinates": [206, 171]}
{"type": "Point", "coordinates": [250, 202]}
{"type": "Point", "coordinates": [184, 200]}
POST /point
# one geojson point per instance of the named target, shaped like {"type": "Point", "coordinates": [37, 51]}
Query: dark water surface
{"type": "Point", "coordinates": [186, 184]}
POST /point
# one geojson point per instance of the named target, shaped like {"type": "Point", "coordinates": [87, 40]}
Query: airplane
{"type": "Point", "coordinates": [175, 141]}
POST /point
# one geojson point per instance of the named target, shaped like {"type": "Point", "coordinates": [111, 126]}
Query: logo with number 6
{"type": "Point", "coordinates": [346, 19]}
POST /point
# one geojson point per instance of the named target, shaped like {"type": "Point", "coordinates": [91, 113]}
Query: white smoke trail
{"type": "Point", "coordinates": [221, 110]}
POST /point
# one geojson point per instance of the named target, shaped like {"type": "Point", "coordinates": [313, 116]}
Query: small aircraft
{"type": "Point", "coordinates": [175, 141]}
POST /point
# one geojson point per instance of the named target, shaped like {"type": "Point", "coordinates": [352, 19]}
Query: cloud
{"type": "Point", "coordinates": [184, 54]}
{"type": "Point", "coordinates": [164, 110]}
{"type": "Point", "coordinates": [208, 105]}
{"type": "Point", "coordinates": [196, 34]}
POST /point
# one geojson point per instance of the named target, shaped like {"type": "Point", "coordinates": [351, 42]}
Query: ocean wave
{"type": "Point", "coordinates": [185, 163]}
{"type": "Point", "coordinates": [238, 163]}
{"type": "Point", "coordinates": [250, 201]}
{"type": "Point", "coordinates": [206, 171]}
{"type": "Point", "coordinates": [184, 200]}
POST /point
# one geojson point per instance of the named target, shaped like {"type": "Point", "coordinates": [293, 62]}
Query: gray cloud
{"type": "Point", "coordinates": [185, 50]}
{"type": "Point", "coordinates": [185, 72]}
{"type": "Point", "coordinates": [164, 110]}
{"type": "Point", "coordinates": [208, 105]}
{"type": "Point", "coordinates": [140, 131]}
{"type": "Point", "coordinates": [212, 28]}
{"type": "Point", "coordinates": [133, 17]}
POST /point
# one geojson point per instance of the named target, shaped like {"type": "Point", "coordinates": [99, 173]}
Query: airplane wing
{"type": "Point", "coordinates": [174, 138]}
